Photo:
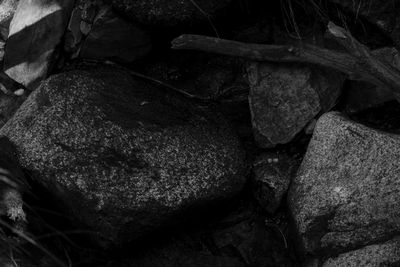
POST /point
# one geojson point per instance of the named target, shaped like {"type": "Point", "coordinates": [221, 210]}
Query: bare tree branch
{"type": "Point", "coordinates": [358, 63]}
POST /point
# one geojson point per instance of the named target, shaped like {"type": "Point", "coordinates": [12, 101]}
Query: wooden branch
{"type": "Point", "coordinates": [358, 63]}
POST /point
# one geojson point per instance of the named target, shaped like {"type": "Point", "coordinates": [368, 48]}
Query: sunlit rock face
{"type": "Point", "coordinates": [124, 156]}
{"type": "Point", "coordinates": [34, 34]}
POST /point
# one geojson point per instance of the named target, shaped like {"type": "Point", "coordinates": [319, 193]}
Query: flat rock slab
{"type": "Point", "coordinates": [347, 191]}
{"type": "Point", "coordinates": [124, 156]}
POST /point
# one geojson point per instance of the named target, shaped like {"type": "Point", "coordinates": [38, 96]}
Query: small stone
{"type": "Point", "coordinates": [284, 98]}
{"type": "Point", "coordinates": [272, 177]}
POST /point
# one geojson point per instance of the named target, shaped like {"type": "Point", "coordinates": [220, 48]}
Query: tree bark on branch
{"type": "Point", "coordinates": [357, 62]}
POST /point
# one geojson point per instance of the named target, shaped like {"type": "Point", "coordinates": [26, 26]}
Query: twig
{"type": "Point", "coordinates": [358, 63]}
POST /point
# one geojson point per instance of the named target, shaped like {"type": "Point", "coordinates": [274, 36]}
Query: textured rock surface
{"type": "Point", "coordinates": [35, 32]}
{"type": "Point", "coordinates": [111, 37]}
{"type": "Point", "coordinates": [346, 193]}
{"type": "Point", "coordinates": [168, 12]}
{"type": "Point", "coordinates": [284, 99]}
{"type": "Point", "coordinates": [272, 175]}
{"type": "Point", "coordinates": [124, 156]}
{"type": "Point", "coordinates": [386, 254]}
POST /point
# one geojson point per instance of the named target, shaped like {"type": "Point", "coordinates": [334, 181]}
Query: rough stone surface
{"type": "Point", "coordinates": [111, 37]}
{"type": "Point", "coordinates": [346, 193]}
{"type": "Point", "coordinates": [272, 175]}
{"type": "Point", "coordinates": [285, 98]}
{"type": "Point", "coordinates": [124, 156]}
{"type": "Point", "coordinates": [386, 254]}
{"type": "Point", "coordinates": [168, 12]}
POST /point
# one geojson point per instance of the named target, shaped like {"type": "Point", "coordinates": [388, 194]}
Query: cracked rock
{"type": "Point", "coordinates": [347, 192]}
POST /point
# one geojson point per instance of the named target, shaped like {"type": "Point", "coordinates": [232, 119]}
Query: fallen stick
{"type": "Point", "coordinates": [358, 63]}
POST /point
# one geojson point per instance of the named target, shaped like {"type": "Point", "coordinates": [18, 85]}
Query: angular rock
{"type": "Point", "coordinates": [35, 31]}
{"type": "Point", "coordinates": [346, 193]}
{"type": "Point", "coordinates": [385, 254]}
{"type": "Point", "coordinates": [7, 10]}
{"type": "Point", "coordinates": [113, 38]}
{"type": "Point", "coordinates": [124, 156]}
{"type": "Point", "coordinates": [168, 12]}
{"type": "Point", "coordinates": [285, 98]}
{"type": "Point", "coordinates": [272, 175]}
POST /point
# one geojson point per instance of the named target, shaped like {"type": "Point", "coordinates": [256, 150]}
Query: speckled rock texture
{"type": "Point", "coordinates": [124, 156]}
{"type": "Point", "coordinates": [272, 175]}
{"type": "Point", "coordinates": [168, 12]}
{"type": "Point", "coordinates": [386, 254]}
{"type": "Point", "coordinates": [346, 193]}
{"type": "Point", "coordinates": [285, 98]}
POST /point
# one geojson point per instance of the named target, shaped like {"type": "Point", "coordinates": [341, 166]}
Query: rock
{"type": "Point", "coordinates": [381, 13]}
{"type": "Point", "coordinates": [114, 38]}
{"type": "Point", "coordinates": [285, 98]}
{"type": "Point", "coordinates": [7, 10]}
{"type": "Point", "coordinates": [385, 254]}
{"type": "Point", "coordinates": [168, 12]}
{"type": "Point", "coordinates": [362, 95]}
{"type": "Point", "coordinates": [346, 192]}
{"type": "Point", "coordinates": [124, 156]}
{"type": "Point", "coordinates": [35, 31]}
{"type": "Point", "coordinates": [272, 175]}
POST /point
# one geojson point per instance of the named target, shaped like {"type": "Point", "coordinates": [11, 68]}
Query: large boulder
{"type": "Point", "coordinates": [124, 156]}
{"type": "Point", "coordinates": [347, 193]}
{"type": "Point", "coordinates": [285, 98]}
{"type": "Point", "coordinates": [168, 12]}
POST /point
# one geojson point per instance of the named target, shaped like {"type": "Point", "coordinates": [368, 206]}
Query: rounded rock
{"type": "Point", "coordinates": [124, 156]}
